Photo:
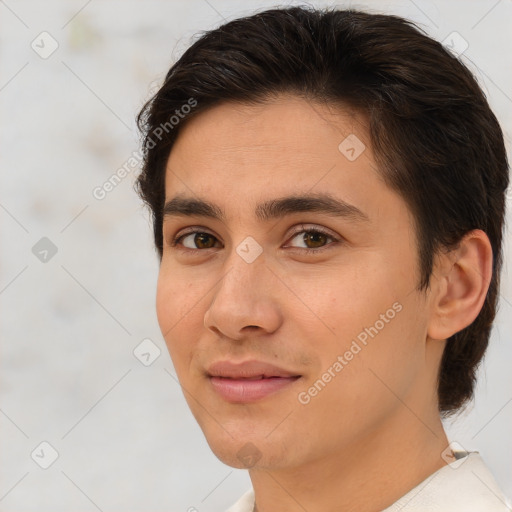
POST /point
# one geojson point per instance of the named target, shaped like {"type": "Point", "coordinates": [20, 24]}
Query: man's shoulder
{"type": "Point", "coordinates": [465, 485]}
{"type": "Point", "coordinates": [244, 504]}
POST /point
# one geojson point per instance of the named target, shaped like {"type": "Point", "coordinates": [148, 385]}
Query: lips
{"type": "Point", "coordinates": [248, 381]}
{"type": "Point", "coordinates": [247, 370]}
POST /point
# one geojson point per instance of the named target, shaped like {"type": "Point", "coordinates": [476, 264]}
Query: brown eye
{"type": "Point", "coordinates": [315, 238]}
{"type": "Point", "coordinates": [199, 240]}
{"type": "Point", "coordinates": [312, 238]}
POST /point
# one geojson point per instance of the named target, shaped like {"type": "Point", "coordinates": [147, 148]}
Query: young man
{"type": "Point", "coordinates": [328, 195]}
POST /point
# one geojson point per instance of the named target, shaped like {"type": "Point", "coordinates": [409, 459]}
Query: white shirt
{"type": "Point", "coordinates": [465, 485]}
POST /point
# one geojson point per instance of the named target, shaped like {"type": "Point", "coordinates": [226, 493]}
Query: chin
{"type": "Point", "coordinates": [248, 451]}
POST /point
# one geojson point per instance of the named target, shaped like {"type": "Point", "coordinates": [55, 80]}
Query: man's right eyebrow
{"type": "Point", "coordinates": [181, 206]}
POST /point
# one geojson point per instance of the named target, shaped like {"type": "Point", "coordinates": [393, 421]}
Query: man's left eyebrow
{"type": "Point", "coordinates": [271, 209]}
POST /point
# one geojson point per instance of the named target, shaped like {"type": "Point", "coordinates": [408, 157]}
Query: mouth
{"type": "Point", "coordinates": [250, 389]}
{"type": "Point", "coordinates": [249, 381]}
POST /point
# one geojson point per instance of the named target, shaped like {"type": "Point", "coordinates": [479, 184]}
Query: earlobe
{"type": "Point", "coordinates": [463, 276]}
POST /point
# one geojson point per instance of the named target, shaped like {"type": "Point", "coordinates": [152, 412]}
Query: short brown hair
{"type": "Point", "coordinates": [435, 138]}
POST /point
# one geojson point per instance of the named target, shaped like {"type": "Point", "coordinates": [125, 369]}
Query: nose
{"type": "Point", "coordinates": [245, 301]}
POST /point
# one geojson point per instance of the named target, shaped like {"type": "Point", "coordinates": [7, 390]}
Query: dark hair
{"type": "Point", "coordinates": [435, 138]}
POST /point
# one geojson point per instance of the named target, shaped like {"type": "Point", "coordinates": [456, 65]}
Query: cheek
{"type": "Point", "coordinates": [175, 300]}
{"type": "Point", "coordinates": [369, 316]}
{"type": "Point", "coordinates": [341, 302]}
{"type": "Point", "coordinates": [166, 303]}
{"type": "Point", "coordinates": [176, 294]}
{"type": "Point", "coordinates": [372, 378]}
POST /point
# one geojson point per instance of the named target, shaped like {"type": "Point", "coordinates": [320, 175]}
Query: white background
{"type": "Point", "coordinates": [125, 437]}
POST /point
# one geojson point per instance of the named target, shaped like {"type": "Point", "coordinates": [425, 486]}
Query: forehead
{"type": "Point", "coordinates": [288, 141]}
{"type": "Point", "coordinates": [285, 122]}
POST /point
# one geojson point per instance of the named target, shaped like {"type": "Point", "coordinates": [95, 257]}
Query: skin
{"type": "Point", "coordinates": [374, 431]}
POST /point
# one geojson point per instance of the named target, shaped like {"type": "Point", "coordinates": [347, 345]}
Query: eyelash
{"type": "Point", "coordinates": [175, 241]}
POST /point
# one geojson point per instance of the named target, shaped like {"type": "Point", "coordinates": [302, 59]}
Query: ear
{"type": "Point", "coordinates": [462, 278]}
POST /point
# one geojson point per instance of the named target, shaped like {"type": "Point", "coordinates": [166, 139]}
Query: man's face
{"type": "Point", "coordinates": [343, 320]}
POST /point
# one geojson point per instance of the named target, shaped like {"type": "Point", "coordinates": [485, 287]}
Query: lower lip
{"type": "Point", "coordinates": [245, 390]}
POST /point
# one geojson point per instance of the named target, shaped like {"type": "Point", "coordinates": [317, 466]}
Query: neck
{"type": "Point", "coordinates": [368, 475]}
